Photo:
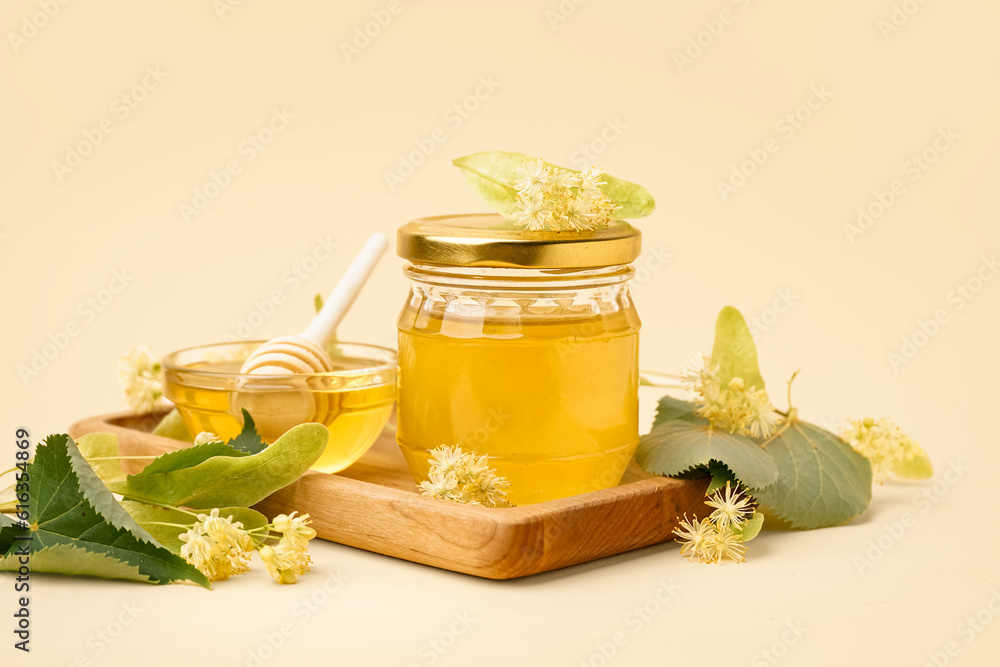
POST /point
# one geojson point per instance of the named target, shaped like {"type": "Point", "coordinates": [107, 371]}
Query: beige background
{"type": "Point", "coordinates": [609, 67]}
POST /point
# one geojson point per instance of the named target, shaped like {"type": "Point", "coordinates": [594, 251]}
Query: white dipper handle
{"type": "Point", "coordinates": [344, 294]}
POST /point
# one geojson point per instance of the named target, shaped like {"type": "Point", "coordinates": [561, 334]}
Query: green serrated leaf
{"type": "Point", "coordinates": [721, 475]}
{"type": "Point", "coordinates": [751, 528]}
{"type": "Point", "coordinates": [249, 440]}
{"type": "Point", "coordinates": [734, 350]}
{"type": "Point", "coordinates": [79, 528]}
{"type": "Point", "coordinates": [491, 175]}
{"type": "Point", "coordinates": [188, 457]}
{"type": "Point", "coordinates": [103, 446]}
{"type": "Point", "coordinates": [822, 481]}
{"type": "Point", "coordinates": [7, 531]}
{"type": "Point", "coordinates": [917, 468]}
{"type": "Point", "coordinates": [172, 426]}
{"type": "Point", "coordinates": [152, 519]}
{"type": "Point", "coordinates": [678, 446]}
{"type": "Point", "coordinates": [671, 408]}
{"type": "Point", "coordinates": [230, 481]}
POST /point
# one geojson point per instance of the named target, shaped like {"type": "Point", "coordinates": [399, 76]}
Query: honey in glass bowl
{"type": "Point", "coordinates": [353, 402]}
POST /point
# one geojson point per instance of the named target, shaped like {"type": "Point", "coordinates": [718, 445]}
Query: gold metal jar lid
{"type": "Point", "coordinates": [490, 240]}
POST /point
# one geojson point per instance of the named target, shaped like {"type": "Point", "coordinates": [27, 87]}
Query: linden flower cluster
{"type": "Point", "coordinates": [557, 199]}
{"type": "Point", "coordinates": [718, 537]}
{"type": "Point", "coordinates": [221, 548]}
{"type": "Point", "coordinates": [465, 477]}
{"type": "Point", "coordinates": [141, 378]}
{"type": "Point", "coordinates": [735, 408]}
{"type": "Point", "coordinates": [882, 443]}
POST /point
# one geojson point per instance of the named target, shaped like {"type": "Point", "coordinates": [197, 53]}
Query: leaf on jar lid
{"type": "Point", "coordinates": [491, 175]}
{"type": "Point", "coordinates": [678, 446]}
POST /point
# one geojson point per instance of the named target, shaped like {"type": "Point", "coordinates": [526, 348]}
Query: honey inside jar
{"type": "Point", "coordinates": [538, 368]}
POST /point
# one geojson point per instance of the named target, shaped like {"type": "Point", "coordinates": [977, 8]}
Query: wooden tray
{"type": "Point", "coordinates": [374, 505]}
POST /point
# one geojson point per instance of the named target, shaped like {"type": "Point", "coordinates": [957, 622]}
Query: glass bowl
{"type": "Point", "coordinates": [353, 402]}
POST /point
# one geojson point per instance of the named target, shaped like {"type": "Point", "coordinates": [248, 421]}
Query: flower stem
{"type": "Point", "coordinates": [9, 471]}
{"type": "Point", "coordinates": [164, 523]}
{"type": "Point", "coordinates": [121, 458]}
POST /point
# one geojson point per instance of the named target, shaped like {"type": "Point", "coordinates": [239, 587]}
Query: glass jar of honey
{"type": "Point", "coordinates": [523, 346]}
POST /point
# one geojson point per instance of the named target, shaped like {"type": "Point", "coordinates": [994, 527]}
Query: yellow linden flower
{"type": "Point", "coordinates": [692, 536]}
{"type": "Point", "coordinates": [882, 443]}
{"type": "Point", "coordinates": [464, 477]}
{"type": "Point", "coordinates": [736, 408]}
{"type": "Point", "coordinates": [284, 561]}
{"type": "Point", "coordinates": [140, 376]}
{"type": "Point", "coordinates": [723, 543]}
{"type": "Point", "coordinates": [216, 546]}
{"type": "Point", "coordinates": [295, 529]}
{"type": "Point", "coordinates": [206, 437]}
{"type": "Point", "coordinates": [558, 199]}
{"type": "Point", "coordinates": [732, 509]}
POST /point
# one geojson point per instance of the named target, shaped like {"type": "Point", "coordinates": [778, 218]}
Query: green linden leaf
{"type": "Point", "coordinates": [491, 175]}
{"type": "Point", "coordinates": [152, 519]}
{"type": "Point", "coordinates": [79, 528]}
{"type": "Point", "coordinates": [822, 481]}
{"type": "Point", "coordinates": [249, 440]}
{"type": "Point", "coordinates": [188, 457]}
{"type": "Point", "coordinates": [734, 350]}
{"type": "Point", "coordinates": [103, 446]}
{"type": "Point", "coordinates": [671, 408]}
{"type": "Point", "coordinates": [917, 468]}
{"type": "Point", "coordinates": [172, 426]}
{"type": "Point", "coordinates": [751, 528]}
{"type": "Point", "coordinates": [678, 446]}
{"type": "Point", "coordinates": [721, 475]}
{"type": "Point", "coordinates": [224, 481]}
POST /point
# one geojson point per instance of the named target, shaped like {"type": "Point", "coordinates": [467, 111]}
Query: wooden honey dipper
{"type": "Point", "coordinates": [306, 353]}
